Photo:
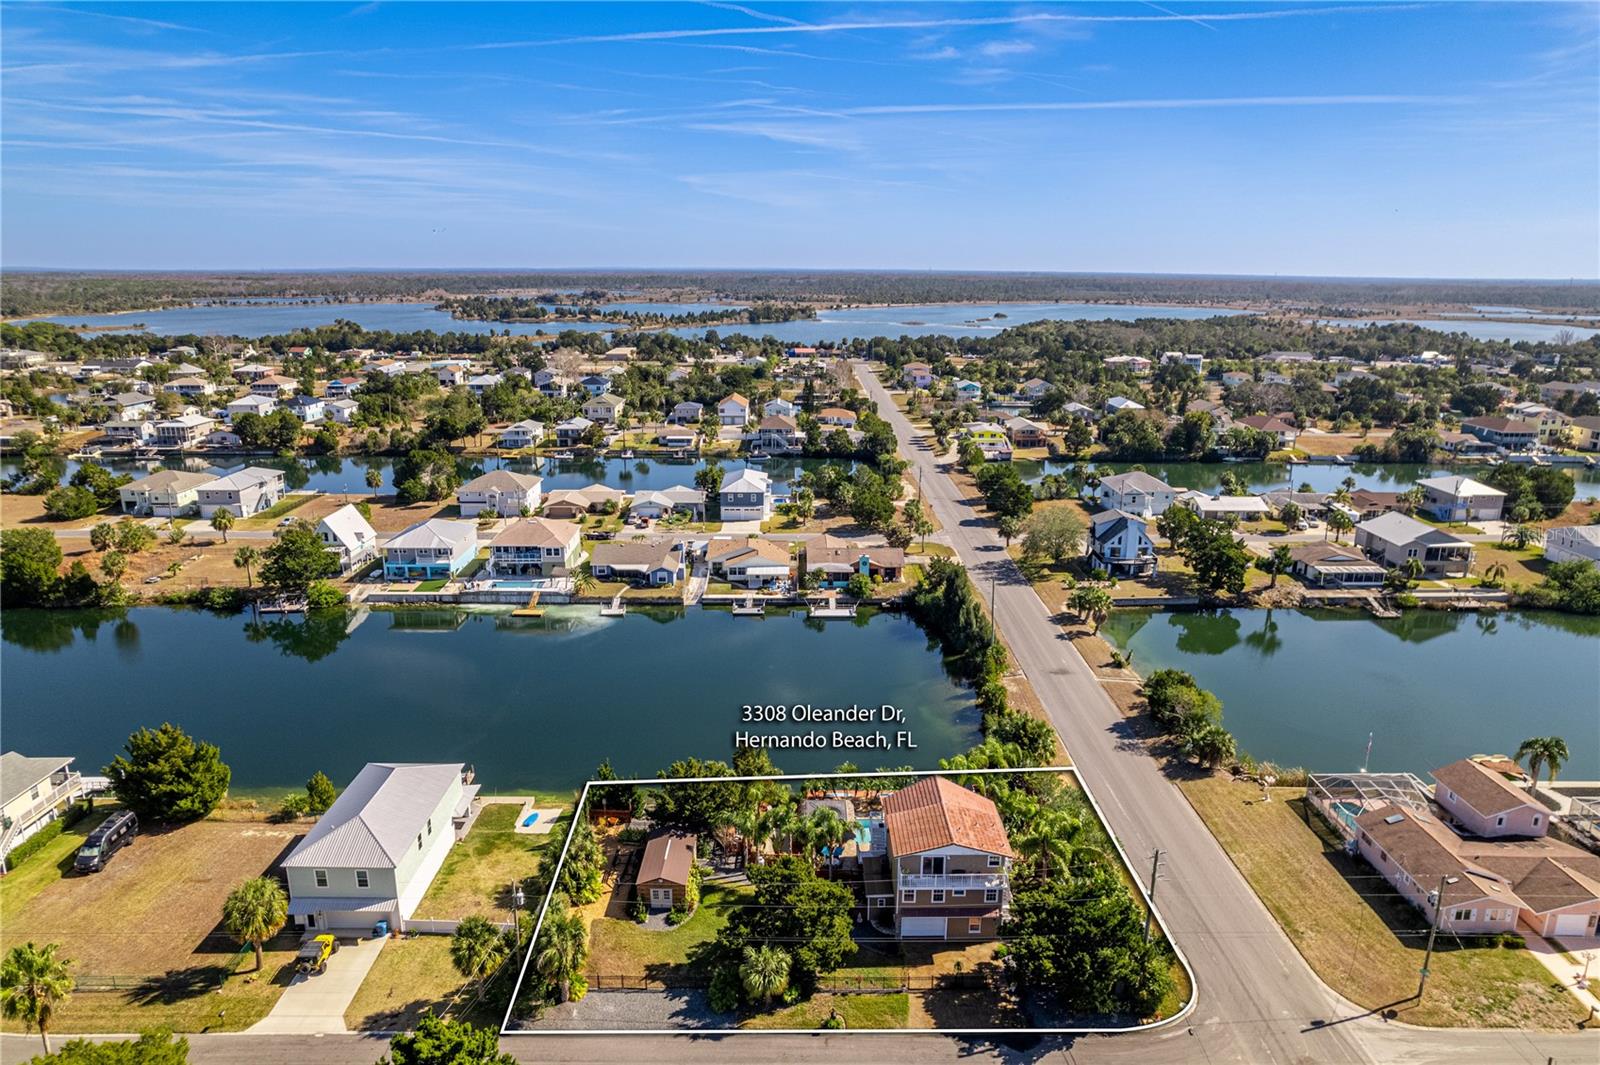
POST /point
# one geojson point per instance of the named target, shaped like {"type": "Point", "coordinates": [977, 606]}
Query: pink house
{"type": "Point", "coordinates": [1484, 803]}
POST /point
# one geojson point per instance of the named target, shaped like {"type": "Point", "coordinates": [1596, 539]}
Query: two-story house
{"type": "Point", "coordinates": [1120, 544]}
{"type": "Point", "coordinates": [748, 497]}
{"type": "Point", "coordinates": [251, 404]}
{"type": "Point", "coordinates": [950, 860]}
{"type": "Point", "coordinates": [1457, 498]}
{"type": "Point", "coordinates": [189, 387]}
{"type": "Point", "coordinates": [1135, 492]}
{"type": "Point", "coordinates": [686, 413]}
{"type": "Point", "coordinates": [733, 409]}
{"type": "Point", "coordinates": [430, 550]}
{"type": "Point", "coordinates": [348, 536]}
{"type": "Point", "coordinates": [249, 491]}
{"type": "Point", "coordinates": [519, 435]}
{"type": "Point", "coordinates": [1394, 539]}
{"type": "Point", "coordinates": [1509, 433]}
{"type": "Point", "coordinates": [778, 435]}
{"type": "Point", "coordinates": [1484, 803]}
{"type": "Point", "coordinates": [916, 375]}
{"type": "Point", "coordinates": [371, 857]}
{"type": "Point", "coordinates": [184, 431]}
{"type": "Point", "coordinates": [604, 408]}
{"type": "Point", "coordinates": [33, 793]}
{"type": "Point", "coordinates": [536, 547]}
{"type": "Point", "coordinates": [164, 494]}
{"type": "Point", "coordinates": [569, 433]}
{"type": "Point", "coordinates": [501, 492]}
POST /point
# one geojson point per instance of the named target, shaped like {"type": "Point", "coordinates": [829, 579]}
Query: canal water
{"type": "Point", "coordinates": [1305, 687]}
{"type": "Point", "coordinates": [533, 703]}
{"type": "Point", "coordinates": [1276, 476]}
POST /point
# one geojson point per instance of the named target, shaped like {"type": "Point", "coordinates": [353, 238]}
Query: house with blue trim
{"type": "Point", "coordinates": [429, 550]}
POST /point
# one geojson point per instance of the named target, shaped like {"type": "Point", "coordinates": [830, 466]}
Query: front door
{"type": "Point", "coordinates": [661, 898]}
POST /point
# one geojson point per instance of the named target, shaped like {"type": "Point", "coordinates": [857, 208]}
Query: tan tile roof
{"type": "Point", "coordinates": [1484, 790]}
{"type": "Point", "coordinates": [937, 812]}
{"type": "Point", "coordinates": [537, 532]}
{"type": "Point", "coordinates": [826, 550]}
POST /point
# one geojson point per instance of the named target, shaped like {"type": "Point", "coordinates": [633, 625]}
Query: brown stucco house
{"type": "Point", "coordinates": [663, 879]}
{"type": "Point", "coordinates": [950, 860]}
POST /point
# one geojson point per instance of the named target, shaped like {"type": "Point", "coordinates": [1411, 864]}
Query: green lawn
{"type": "Point", "coordinates": [273, 514]}
{"type": "Point", "coordinates": [47, 865]}
{"type": "Point", "coordinates": [858, 1011]}
{"type": "Point", "coordinates": [413, 977]}
{"type": "Point", "coordinates": [476, 876]}
{"type": "Point", "coordinates": [623, 948]}
{"type": "Point", "coordinates": [1344, 920]}
{"type": "Point", "coordinates": [432, 586]}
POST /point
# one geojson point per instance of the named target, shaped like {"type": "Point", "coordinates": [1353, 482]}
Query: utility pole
{"type": "Point", "coordinates": [1150, 911]}
{"type": "Point", "coordinates": [991, 598]}
{"type": "Point", "coordinates": [1437, 898]}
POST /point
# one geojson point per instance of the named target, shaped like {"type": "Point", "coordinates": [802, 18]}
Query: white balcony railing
{"type": "Point", "coordinates": [952, 881]}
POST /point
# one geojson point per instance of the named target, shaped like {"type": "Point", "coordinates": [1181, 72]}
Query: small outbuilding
{"type": "Point", "coordinates": [664, 871]}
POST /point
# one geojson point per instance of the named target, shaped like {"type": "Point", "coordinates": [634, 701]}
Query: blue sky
{"type": "Point", "coordinates": [1410, 139]}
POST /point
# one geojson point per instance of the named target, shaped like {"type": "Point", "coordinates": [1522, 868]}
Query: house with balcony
{"type": "Point", "coordinates": [778, 435]}
{"type": "Point", "coordinates": [519, 435]}
{"type": "Point", "coordinates": [430, 550]}
{"type": "Point", "coordinates": [478, 384]}
{"type": "Point", "coordinates": [968, 391]}
{"type": "Point", "coordinates": [916, 375]}
{"type": "Point", "coordinates": [309, 409]}
{"type": "Point", "coordinates": [371, 857]}
{"type": "Point", "coordinates": [949, 860]}
{"type": "Point", "coordinates": [251, 404]}
{"type": "Point", "coordinates": [341, 411]}
{"type": "Point", "coordinates": [164, 494]}
{"type": "Point", "coordinates": [348, 536]}
{"type": "Point", "coordinates": [501, 492]}
{"type": "Point", "coordinates": [750, 562]}
{"type": "Point", "coordinates": [536, 547]}
{"type": "Point", "coordinates": [1393, 539]}
{"type": "Point", "coordinates": [184, 431]}
{"type": "Point", "coordinates": [130, 404]}
{"type": "Point", "coordinates": [189, 387]}
{"type": "Point", "coordinates": [570, 432]}
{"type": "Point", "coordinates": [1508, 433]}
{"type": "Point", "coordinates": [1120, 544]}
{"type": "Point", "coordinates": [1282, 431]}
{"type": "Point", "coordinates": [686, 413]}
{"type": "Point", "coordinates": [1025, 432]}
{"type": "Point", "coordinates": [273, 386]}
{"type": "Point", "coordinates": [33, 793]}
{"type": "Point", "coordinates": [249, 491]}
{"type": "Point", "coordinates": [604, 408]}
{"type": "Point", "coordinates": [135, 430]}
{"type": "Point", "coordinates": [1457, 498]}
{"type": "Point", "coordinates": [1135, 492]}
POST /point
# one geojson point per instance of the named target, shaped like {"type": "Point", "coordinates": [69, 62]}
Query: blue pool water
{"type": "Point", "coordinates": [530, 819]}
{"type": "Point", "coordinates": [864, 833]}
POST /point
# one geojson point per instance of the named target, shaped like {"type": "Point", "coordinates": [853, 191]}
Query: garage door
{"type": "Point", "coordinates": [911, 927]}
{"type": "Point", "coordinates": [1572, 924]}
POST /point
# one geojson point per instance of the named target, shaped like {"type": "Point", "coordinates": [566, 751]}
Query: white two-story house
{"type": "Point", "coordinates": [249, 491]}
{"type": "Point", "coordinates": [1135, 492]}
{"type": "Point", "coordinates": [1120, 544]}
{"type": "Point", "coordinates": [371, 857]}
{"type": "Point", "coordinates": [501, 492]}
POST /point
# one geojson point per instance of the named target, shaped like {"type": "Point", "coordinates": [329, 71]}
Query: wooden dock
{"type": "Point", "coordinates": [532, 610]}
{"type": "Point", "coordinates": [826, 605]}
{"type": "Point", "coordinates": [616, 609]}
{"type": "Point", "coordinates": [749, 608]}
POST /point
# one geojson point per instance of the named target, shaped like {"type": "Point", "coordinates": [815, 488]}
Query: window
{"type": "Point", "coordinates": [959, 893]}
{"type": "Point", "coordinates": [430, 826]}
{"type": "Point", "coordinates": [974, 926]}
{"type": "Point", "coordinates": [419, 841]}
{"type": "Point", "coordinates": [932, 866]}
{"type": "Point", "coordinates": [361, 878]}
{"type": "Point", "coordinates": [1462, 915]}
{"type": "Point", "coordinates": [908, 896]}
{"type": "Point", "coordinates": [1535, 820]}
{"type": "Point", "coordinates": [34, 794]}
{"type": "Point", "coordinates": [991, 894]}
{"type": "Point", "coordinates": [938, 896]}
{"type": "Point", "coordinates": [994, 861]}
{"type": "Point", "coordinates": [321, 877]}
{"type": "Point", "coordinates": [1500, 821]}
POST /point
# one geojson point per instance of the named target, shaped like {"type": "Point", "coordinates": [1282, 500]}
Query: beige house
{"type": "Point", "coordinates": [536, 547]}
{"type": "Point", "coordinates": [502, 492]}
{"type": "Point", "coordinates": [604, 409]}
{"type": "Point", "coordinates": [164, 494]}
{"type": "Point", "coordinates": [1394, 539]}
{"type": "Point", "coordinates": [33, 793]}
{"type": "Point", "coordinates": [950, 861]}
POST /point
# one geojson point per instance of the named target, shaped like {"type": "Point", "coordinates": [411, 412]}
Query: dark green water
{"type": "Point", "coordinates": [1305, 687]}
{"type": "Point", "coordinates": [533, 703]}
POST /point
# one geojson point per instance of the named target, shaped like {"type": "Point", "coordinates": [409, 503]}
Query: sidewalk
{"type": "Point", "coordinates": [1552, 954]}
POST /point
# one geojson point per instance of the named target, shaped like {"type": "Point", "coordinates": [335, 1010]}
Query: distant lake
{"type": "Point", "coordinates": [533, 703]}
{"type": "Point", "coordinates": [1274, 476]}
{"type": "Point", "coordinates": [950, 319]}
{"type": "Point", "coordinates": [255, 319]}
{"type": "Point", "coordinates": [1303, 688]}
{"type": "Point", "coordinates": [1478, 328]}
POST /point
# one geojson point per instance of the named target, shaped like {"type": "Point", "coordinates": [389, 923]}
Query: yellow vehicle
{"type": "Point", "coordinates": [315, 952]}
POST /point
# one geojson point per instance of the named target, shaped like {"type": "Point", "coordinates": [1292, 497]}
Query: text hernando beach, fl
{"type": "Point", "coordinates": [805, 713]}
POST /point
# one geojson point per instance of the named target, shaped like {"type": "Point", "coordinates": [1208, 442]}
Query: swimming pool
{"type": "Point", "coordinates": [530, 819]}
{"type": "Point", "coordinates": [519, 585]}
{"type": "Point", "coordinates": [864, 833]}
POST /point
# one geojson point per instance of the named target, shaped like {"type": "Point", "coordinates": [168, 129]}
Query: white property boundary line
{"type": "Point", "coordinates": [578, 811]}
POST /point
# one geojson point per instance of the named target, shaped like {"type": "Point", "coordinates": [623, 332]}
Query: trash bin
{"type": "Point", "coordinates": [380, 930]}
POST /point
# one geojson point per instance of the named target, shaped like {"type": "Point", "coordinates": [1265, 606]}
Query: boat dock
{"type": "Point", "coordinates": [748, 607]}
{"type": "Point", "coordinates": [826, 605]}
{"type": "Point", "coordinates": [532, 610]}
{"type": "Point", "coordinates": [616, 609]}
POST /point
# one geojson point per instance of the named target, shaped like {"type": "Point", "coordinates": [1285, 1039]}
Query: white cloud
{"type": "Point", "coordinates": [996, 49]}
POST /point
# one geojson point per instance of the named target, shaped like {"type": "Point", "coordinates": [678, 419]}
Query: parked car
{"type": "Point", "coordinates": [110, 836]}
{"type": "Point", "coordinates": [315, 952]}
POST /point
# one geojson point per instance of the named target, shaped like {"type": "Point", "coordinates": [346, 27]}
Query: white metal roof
{"type": "Point", "coordinates": [377, 817]}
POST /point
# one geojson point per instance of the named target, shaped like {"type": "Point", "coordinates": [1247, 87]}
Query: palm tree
{"type": "Point", "coordinates": [1494, 574]}
{"type": "Point", "coordinates": [1543, 750]}
{"type": "Point", "coordinates": [374, 479]}
{"type": "Point", "coordinates": [255, 911]}
{"type": "Point", "coordinates": [583, 578]}
{"type": "Point", "coordinates": [562, 947]}
{"type": "Point", "coordinates": [1091, 604]}
{"type": "Point", "coordinates": [477, 948]}
{"type": "Point", "coordinates": [1411, 498]}
{"type": "Point", "coordinates": [222, 521]}
{"type": "Point", "coordinates": [1412, 569]}
{"type": "Point", "coordinates": [828, 831]}
{"type": "Point", "coordinates": [764, 972]}
{"type": "Point", "coordinates": [1280, 560]}
{"type": "Point", "coordinates": [244, 558]}
{"type": "Point", "coordinates": [1209, 744]}
{"type": "Point", "coordinates": [33, 981]}
{"type": "Point", "coordinates": [1340, 523]}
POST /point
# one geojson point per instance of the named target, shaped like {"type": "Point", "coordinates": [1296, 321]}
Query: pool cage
{"type": "Point", "coordinates": [1583, 819]}
{"type": "Point", "coordinates": [1343, 797]}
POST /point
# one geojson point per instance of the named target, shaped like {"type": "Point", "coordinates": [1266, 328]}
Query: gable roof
{"type": "Point", "coordinates": [348, 526]}
{"type": "Point", "coordinates": [1135, 481]}
{"type": "Point", "coordinates": [1267, 423]}
{"type": "Point", "coordinates": [377, 818]}
{"type": "Point", "coordinates": [436, 532]}
{"type": "Point", "coordinates": [668, 856]}
{"type": "Point", "coordinates": [733, 397]}
{"type": "Point", "coordinates": [1483, 789]}
{"type": "Point", "coordinates": [937, 812]}
{"type": "Point", "coordinates": [1459, 486]}
{"type": "Point", "coordinates": [1397, 528]}
{"type": "Point", "coordinates": [18, 773]}
{"type": "Point", "coordinates": [1497, 424]}
{"type": "Point", "coordinates": [502, 481]}
{"type": "Point", "coordinates": [169, 481]}
{"type": "Point", "coordinates": [249, 477]}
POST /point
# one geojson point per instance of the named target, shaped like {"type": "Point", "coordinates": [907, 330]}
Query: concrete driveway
{"type": "Point", "coordinates": [315, 1005]}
